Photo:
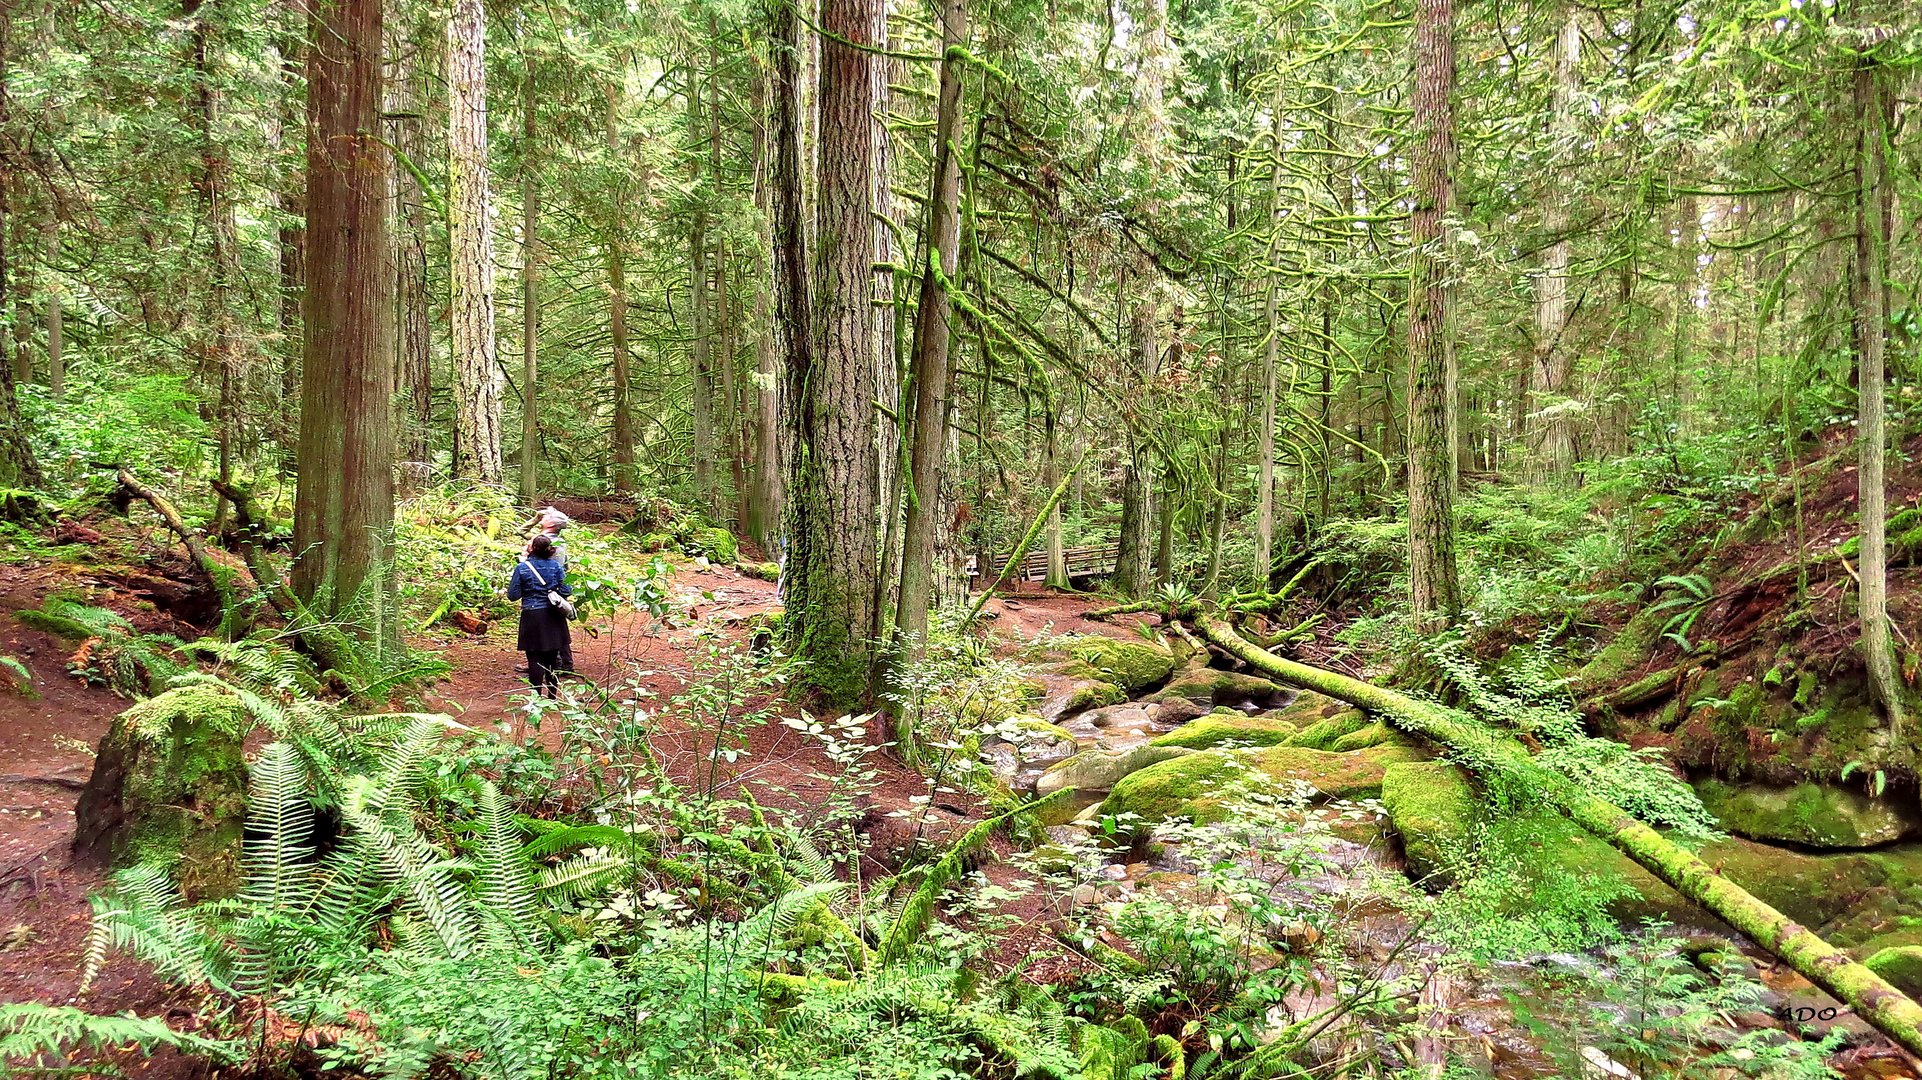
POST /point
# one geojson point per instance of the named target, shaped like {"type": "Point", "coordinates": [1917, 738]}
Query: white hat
{"type": "Point", "coordinates": [555, 519]}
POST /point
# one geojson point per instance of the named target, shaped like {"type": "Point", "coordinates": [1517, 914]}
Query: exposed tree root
{"type": "Point", "coordinates": [1873, 999]}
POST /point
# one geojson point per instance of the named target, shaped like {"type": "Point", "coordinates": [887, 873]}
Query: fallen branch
{"type": "Point", "coordinates": [1873, 999]}
{"type": "Point", "coordinates": [218, 574]}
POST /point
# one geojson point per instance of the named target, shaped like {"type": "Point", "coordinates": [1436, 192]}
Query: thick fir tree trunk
{"type": "Point", "coordinates": [414, 326]}
{"type": "Point", "coordinates": [530, 300]}
{"type": "Point", "coordinates": [1872, 188]}
{"type": "Point", "coordinates": [1432, 419]}
{"type": "Point", "coordinates": [931, 376]}
{"type": "Point", "coordinates": [18, 466]}
{"type": "Point", "coordinates": [622, 450]}
{"type": "Point", "coordinates": [700, 317]}
{"type": "Point", "coordinates": [1552, 438]}
{"type": "Point", "coordinates": [1495, 755]}
{"type": "Point", "coordinates": [470, 238]}
{"type": "Point", "coordinates": [344, 505]}
{"type": "Point", "coordinates": [832, 516]}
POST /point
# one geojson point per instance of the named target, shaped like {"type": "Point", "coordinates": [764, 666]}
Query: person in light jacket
{"type": "Point", "coordinates": [544, 634]}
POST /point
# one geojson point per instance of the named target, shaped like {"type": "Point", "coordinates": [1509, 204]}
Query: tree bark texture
{"type": "Point", "coordinates": [470, 238]}
{"type": "Point", "coordinates": [344, 505]}
{"type": "Point", "coordinates": [415, 340]}
{"type": "Point", "coordinates": [18, 466]}
{"type": "Point", "coordinates": [623, 434]}
{"type": "Point", "coordinates": [931, 374]}
{"type": "Point", "coordinates": [761, 503]}
{"type": "Point", "coordinates": [1270, 359]}
{"type": "Point", "coordinates": [530, 299]}
{"type": "Point", "coordinates": [1432, 407]}
{"type": "Point", "coordinates": [1872, 109]}
{"type": "Point", "coordinates": [1552, 436]}
{"type": "Point", "coordinates": [700, 314]}
{"type": "Point", "coordinates": [832, 511]}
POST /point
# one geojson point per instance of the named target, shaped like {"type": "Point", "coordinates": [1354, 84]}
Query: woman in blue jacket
{"type": "Point", "coordinates": [543, 632]}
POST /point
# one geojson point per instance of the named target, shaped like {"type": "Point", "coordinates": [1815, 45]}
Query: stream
{"type": "Point", "coordinates": [1479, 1011]}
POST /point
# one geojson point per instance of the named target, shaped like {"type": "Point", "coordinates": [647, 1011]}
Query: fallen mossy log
{"type": "Point", "coordinates": [1873, 999]}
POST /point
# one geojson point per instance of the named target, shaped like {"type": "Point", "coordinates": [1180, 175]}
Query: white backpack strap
{"type": "Point", "coordinates": [536, 573]}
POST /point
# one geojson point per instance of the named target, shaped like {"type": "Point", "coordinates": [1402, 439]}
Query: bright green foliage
{"type": "Point", "coordinates": [1808, 814]}
{"type": "Point", "coordinates": [1234, 728]}
{"type": "Point", "coordinates": [1901, 965]}
{"type": "Point", "coordinates": [36, 1039]}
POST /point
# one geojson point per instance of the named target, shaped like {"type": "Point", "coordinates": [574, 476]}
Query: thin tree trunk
{"type": "Point", "coordinates": [1552, 437]}
{"type": "Point", "coordinates": [218, 348]}
{"type": "Point", "coordinates": [291, 236]}
{"type": "Point", "coordinates": [1432, 420]}
{"type": "Point", "coordinates": [931, 376]}
{"type": "Point", "coordinates": [792, 272]}
{"type": "Point", "coordinates": [831, 496]}
{"type": "Point", "coordinates": [414, 327]}
{"type": "Point", "coordinates": [344, 506]}
{"type": "Point", "coordinates": [56, 351]}
{"type": "Point", "coordinates": [761, 514]}
{"type": "Point", "coordinates": [1872, 111]}
{"type": "Point", "coordinates": [470, 237]}
{"type": "Point", "coordinates": [530, 299]}
{"type": "Point", "coordinates": [700, 346]}
{"type": "Point", "coordinates": [1270, 358]}
{"type": "Point", "coordinates": [623, 434]}
{"type": "Point", "coordinates": [18, 467]}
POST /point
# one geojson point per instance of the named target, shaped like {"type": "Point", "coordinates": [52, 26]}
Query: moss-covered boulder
{"type": "Point", "coordinates": [717, 544]}
{"type": "Point", "coordinates": [1134, 666]}
{"type": "Point", "coordinates": [761, 571]}
{"type": "Point", "coordinates": [1813, 815]}
{"type": "Point", "coordinates": [1231, 728]}
{"type": "Point", "coordinates": [1210, 686]}
{"type": "Point", "coordinates": [1202, 786]}
{"type": "Point", "coordinates": [1434, 806]}
{"type": "Point", "coordinates": [1034, 739]}
{"type": "Point", "coordinates": [1326, 731]}
{"type": "Point", "coordinates": [1901, 966]}
{"type": "Point", "coordinates": [1101, 770]}
{"type": "Point", "coordinates": [169, 787]}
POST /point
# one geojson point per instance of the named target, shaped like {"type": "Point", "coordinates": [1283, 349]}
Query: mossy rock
{"type": "Point", "coordinates": [169, 787]}
{"type": "Point", "coordinates": [717, 544]}
{"type": "Point", "coordinates": [763, 571]}
{"type": "Point", "coordinates": [1307, 707]}
{"type": "Point", "coordinates": [1324, 733]}
{"type": "Point", "coordinates": [654, 541]}
{"type": "Point", "coordinates": [1211, 686]}
{"type": "Point", "coordinates": [1033, 738]}
{"type": "Point", "coordinates": [1901, 966]}
{"type": "Point", "coordinates": [1101, 770]}
{"type": "Point", "coordinates": [1435, 806]}
{"type": "Point", "coordinates": [1230, 728]}
{"type": "Point", "coordinates": [1200, 786]}
{"type": "Point", "coordinates": [59, 626]}
{"type": "Point", "coordinates": [1627, 651]}
{"type": "Point", "coordinates": [1375, 734]}
{"type": "Point", "coordinates": [1810, 814]}
{"type": "Point", "coordinates": [1133, 666]}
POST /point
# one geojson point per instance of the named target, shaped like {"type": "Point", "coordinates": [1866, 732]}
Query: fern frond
{"type": "Point", "coordinates": [422, 878]}
{"type": "Point", "coordinates": [580, 876]}
{"type": "Point", "coordinates": [502, 888]}
{"type": "Point", "coordinates": [31, 1033]}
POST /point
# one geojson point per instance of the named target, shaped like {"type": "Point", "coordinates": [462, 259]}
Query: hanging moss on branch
{"type": "Point", "coordinates": [1868, 994]}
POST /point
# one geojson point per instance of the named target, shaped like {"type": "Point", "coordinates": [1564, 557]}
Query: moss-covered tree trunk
{"type": "Point", "coordinates": [18, 466]}
{"type": "Point", "coordinates": [1872, 998]}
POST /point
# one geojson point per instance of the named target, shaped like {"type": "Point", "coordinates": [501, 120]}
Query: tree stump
{"type": "Point", "coordinates": [169, 787]}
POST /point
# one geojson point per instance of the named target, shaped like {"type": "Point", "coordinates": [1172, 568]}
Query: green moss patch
{"type": "Point", "coordinates": [1133, 666]}
{"type": "Point", "coordinates": [1100, 770]}
{"type": "Point", "coordinates": [1208, 686]}
{"type": "Point", "coordinates": [1435, 807]}
{"type": "Point", "coordinates": [1223, 729]}
{"type": "Point", "coordinates": [1810, 814]}
{"type": "Point", "coordinates": [1901, 966]}
{"type": "Point", "coordinates": [1324, 733]}
{"type": "Point", "coordinates": [1201, 785]}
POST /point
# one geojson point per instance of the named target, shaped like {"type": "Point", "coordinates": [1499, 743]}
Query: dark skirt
{"type": "Point", "coordinates": [543, 630]}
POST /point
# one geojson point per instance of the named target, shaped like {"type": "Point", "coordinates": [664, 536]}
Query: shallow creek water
{"type": "Point", "coordinates": [1471, 1009]}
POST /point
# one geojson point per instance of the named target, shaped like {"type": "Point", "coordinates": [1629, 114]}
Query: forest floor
{"type": "Point", "coordinates": [50, 732]}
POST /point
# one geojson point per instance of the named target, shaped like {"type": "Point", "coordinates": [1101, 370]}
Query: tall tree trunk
{"type": "Point", "coordinates": [1051, 478]}
{"type": "Point", "coordinates": [700, 345]}
{"type": "Point", "coordinates": [623, 434]}
{"type": "Point", "coordinates": [291, 236]}
{"type": "Point", "coordinates": [56, 344]}
{"type": "Point", "coordinates": [530, 298]}
{"type": "Point", "coordinates": [1872, 191]}
{"type": "Point", "coordinates": [18, 467]}
{"type": "Point", "coordinates": [414, 326]}
{"type": "Point", "coordinates": [890, 431]}
{"type": "Point", "coordinates": [1552, 437]}
{"type": "Point", "coordinates": [761, 510]}
{"type": "Point", "coordinates": [1270, 357]}
{"type": "Point", "coordinates": [791, 272]}
{"type": "Point", "coordinates": [831, 494]}
{"type": "Point", "coordinates": [1432, 420]}
{"type": "Point", "coordinates": [1133, 560]}
{"type": "Point", "coordinates": [344, 505]}
{"type": "Point", "coordinates": [470, 238]}
{"type": "Point", "coordinates": [931, 374]}
{"type": "Point", "coordinates": [218, 351]}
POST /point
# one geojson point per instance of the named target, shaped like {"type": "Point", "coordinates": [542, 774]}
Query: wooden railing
{"type": "Point", "coordinates": [1095, 560]}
